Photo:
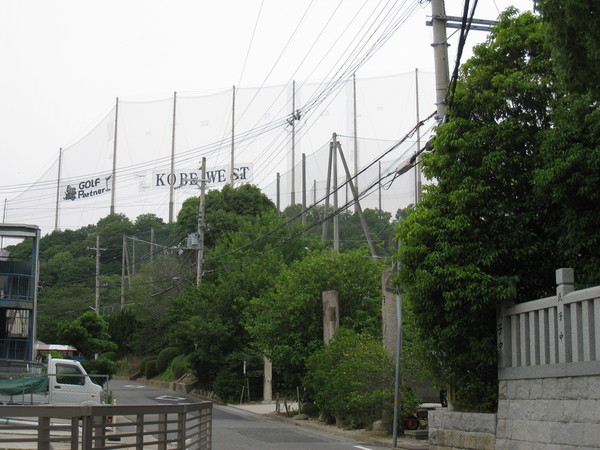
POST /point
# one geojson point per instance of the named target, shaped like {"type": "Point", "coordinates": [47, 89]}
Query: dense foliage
{"type": "Point", "coordinates": [573, 38]}
{"type": "Point", "coordinates": [510, 204]}
{"type": "Point", "coordinates": [352, 379]}
{"type": "Point", "coordinates": [286, 320]}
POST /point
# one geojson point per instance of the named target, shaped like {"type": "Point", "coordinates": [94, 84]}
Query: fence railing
{"type": "Point", "coordinates": [556, 336]}
{"type": "Point", "coordinates": [183, 426]}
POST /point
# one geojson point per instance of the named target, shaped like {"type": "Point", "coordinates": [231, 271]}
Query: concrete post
{"type": "Point", "coordinates": [267, 380]}
{"type": "Point", "coordinates": [565, 278]}
{"type": "Point", "coordinates": [388, 312]}
{"type": "Point", "coordinates": [331, 315]}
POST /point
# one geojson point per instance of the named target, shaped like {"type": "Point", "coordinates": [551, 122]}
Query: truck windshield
{"type": "Point", "coordinates": [69, 375]}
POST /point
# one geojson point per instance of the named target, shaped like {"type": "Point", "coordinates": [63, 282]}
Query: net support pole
{"type": "Point", "coordinates": [114, 164]}
{"type": "Point", "coordinates": [172, 174]}
{"type": "Point", "coordinates": [359, 210]}
{"type": "Point", "coordinates": [232, 135]}
{"type": "Point", "coordinates": [57, 189]}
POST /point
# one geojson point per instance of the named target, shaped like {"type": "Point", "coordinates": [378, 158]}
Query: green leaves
{"type": "Point", "coordinates": [352, 378]}
{"type": "Point", "coordinates": [478, 228]}
{"type": "Point", "coordinates": [286, 321]}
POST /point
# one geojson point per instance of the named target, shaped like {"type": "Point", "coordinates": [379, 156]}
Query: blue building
{"type": "Point", "coordinates": [18, 294]}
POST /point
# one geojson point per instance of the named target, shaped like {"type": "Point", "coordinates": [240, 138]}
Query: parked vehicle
{"type": "Point", "coordinates": [65, 383]}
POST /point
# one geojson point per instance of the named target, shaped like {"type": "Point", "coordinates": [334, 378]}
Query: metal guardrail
{"type": "Point", "coordinates": [183, 426]}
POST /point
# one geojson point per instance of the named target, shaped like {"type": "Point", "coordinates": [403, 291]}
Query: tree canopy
{"type": "Point", "coordinates": [573, 39]}
{"type": "Point", "coordinates": [487, 229]}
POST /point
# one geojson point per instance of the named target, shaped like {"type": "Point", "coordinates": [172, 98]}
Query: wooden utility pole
{"type": "Point", "coordinates": [201, 225]}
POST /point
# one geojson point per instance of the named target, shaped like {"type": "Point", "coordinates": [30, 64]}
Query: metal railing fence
{"type": "Point", "coordinates": [182, 426]}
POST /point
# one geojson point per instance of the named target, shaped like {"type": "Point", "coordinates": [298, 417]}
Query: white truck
{"type": "Point", "coordinates": [66, 383]}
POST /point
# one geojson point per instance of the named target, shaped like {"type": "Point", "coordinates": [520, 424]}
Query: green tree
{"type": "Point", "coordinates": [480, 230]}
{"type": "Point", "coordinates": [352, 379]}
{"type": "Point", "coordinates": [286, 321]}
{"type": "Point", "coordinates": [224, 210]}
{"type": "Point", "coordinates": [569, 180]}
{"type": "Point", "coordinates": [122, 326]}
{"type": "Point", "coordinates": [111, 230]}
{"type": "Point", "coordinates": [573, 39]}
{"type": "Point", "coordinates": [88, 334]}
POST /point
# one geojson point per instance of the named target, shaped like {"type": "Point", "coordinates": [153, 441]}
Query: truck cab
{"type": "Point", "coordinates": [65, 383]}
{"type": "Point", "coordinates": [69, 384]}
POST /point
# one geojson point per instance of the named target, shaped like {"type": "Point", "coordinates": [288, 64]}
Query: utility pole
{"type": "Point", "coordinates": [327, 189]}
{"type": "Point", "coordinates": [355, 138]}
{"type": "Point", "coordinates": [442, 80]}
{"type": "Point", "coordinates": [336, 219]}
{"type": "Point", "coordinates": [98, 250]}
{"type": "Point", "coordinates": [123, 261]}
{"type": "Point", "coordinates": [440, 54]}
{"type": "Point", "coordinates": [201, 225]}
{"type": "Point", "coordinates": [303, 189]}
{"type": "Point", "coordinates": [152, 245]}
{"type": "Point", "coordinates": [293, 191]}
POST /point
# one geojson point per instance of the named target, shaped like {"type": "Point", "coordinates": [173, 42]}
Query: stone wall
{"type": "Point", "coordinates": [454, 430]}
{"type": "Point", "coordinates": [549, 413]}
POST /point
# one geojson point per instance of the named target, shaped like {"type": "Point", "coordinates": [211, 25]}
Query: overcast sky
{"type": "Point", "coordinates": [65, 61]}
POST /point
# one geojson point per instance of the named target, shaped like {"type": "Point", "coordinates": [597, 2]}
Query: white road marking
{"type": "Point", "coordinates": [134, 386]}
{"type": "Point", "coordinates": [169, 398]}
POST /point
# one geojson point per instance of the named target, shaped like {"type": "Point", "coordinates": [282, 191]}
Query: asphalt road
{"type": "Point", "coordinates": [234, 428]}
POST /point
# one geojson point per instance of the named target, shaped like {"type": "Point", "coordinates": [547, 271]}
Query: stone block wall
{"type": "Point", "coordinates": [549, 413]}
{"type": "Point", "coordinates": [454, 430]}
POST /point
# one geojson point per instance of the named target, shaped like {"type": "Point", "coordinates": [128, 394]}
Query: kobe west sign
{"type": "Point", "coordinates": [214, 177]}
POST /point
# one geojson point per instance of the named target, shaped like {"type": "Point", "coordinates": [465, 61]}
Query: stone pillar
{"type": "Point", "coordinates": [388, 313]}
{"type": "Point", "coordinates": [331, 315]}
{"type": "Point", "coordinates": [565, 278]}
{"type": "Point", "coordinates": [267, 380]}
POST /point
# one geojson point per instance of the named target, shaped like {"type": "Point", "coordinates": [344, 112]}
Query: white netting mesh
{"type": "Point", "coordinates": [385, 112]}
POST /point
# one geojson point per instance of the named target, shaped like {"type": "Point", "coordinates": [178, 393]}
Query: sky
{"type": "Point", "coordinates": [66, 61]}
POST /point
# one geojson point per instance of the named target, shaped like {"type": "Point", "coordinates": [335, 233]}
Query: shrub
{"type": "Point", "coordinates": [151, 370]}
{"type": "Point", "coordinates": [165, 357]}
{"type": "Point", "coordinates": [352, 379]}
{"type": "Point", "coordinates": [143, 363]}
{"type": "Point", "coordinates": [100, 366]}
{"type": "Point", "coordinates": [111, 356]}
{"type": "Point", "coordinates": [180, 366]}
